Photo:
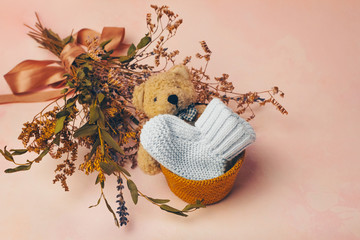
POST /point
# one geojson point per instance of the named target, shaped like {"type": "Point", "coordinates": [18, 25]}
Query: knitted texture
{"type": "Point", "coordinates": [197, 152]}
{"type": "Point", "coordinates": [210, 191]}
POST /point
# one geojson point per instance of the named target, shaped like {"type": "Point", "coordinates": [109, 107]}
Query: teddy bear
{"type": "Point", "coordinates": [171, 92]}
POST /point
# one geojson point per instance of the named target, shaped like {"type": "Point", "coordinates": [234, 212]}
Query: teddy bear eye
{"type": "Point", "coordinates": [155, 99]}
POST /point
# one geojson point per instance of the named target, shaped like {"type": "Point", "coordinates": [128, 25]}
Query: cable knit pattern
{"type": "Point", "coordinates": [197, 152]}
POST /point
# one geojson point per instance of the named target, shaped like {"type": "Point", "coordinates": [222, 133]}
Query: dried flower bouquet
{"type": "Point", "coordinates": [94, 108]}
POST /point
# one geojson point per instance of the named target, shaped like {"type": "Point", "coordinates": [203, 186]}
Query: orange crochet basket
{"type": "Point", "coordinates": [210, 190]}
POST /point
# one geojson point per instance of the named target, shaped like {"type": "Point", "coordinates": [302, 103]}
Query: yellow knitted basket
{"type": "Point", "coordinates": [210, 191]}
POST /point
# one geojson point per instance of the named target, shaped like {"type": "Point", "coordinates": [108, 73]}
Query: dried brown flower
{"type": "Point", "coordinates": [97, 112]}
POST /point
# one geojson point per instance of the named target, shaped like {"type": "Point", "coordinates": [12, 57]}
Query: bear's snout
{"type": "Point", "coordinates": [173, 99]}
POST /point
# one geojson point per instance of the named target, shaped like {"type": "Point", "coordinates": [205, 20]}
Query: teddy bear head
{"type": "Point", "coordinates": [165, 93]}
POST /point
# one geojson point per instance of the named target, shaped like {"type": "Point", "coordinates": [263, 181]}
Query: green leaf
{"type": "Point", "coordinates": [83, 56]}
{"type": "Point", "coordinates": [19, 168]}
{"type": "Point", "coordinates": [69, 83]}
{"type": "Point", "coordinates": [119, 168]}
{"type": "Point", "coordinates": [87, 67]}
{"type": "Point", "coordinates": [110, 141]}
{"type": "Point", "coordinates": [103, 44]}
{"type": "Point", "coordinates": [70, 102]}
{"type": "Point", "coordinates": [85, 98]}
{"type": "Point", "coordinates": [88, 82]}
{"type": "Point", "coordinates": [193, 206]}
{"type": "Point", "coordinates": [7, 155]}
{"type": "Point", "coordinates": [107, 167]}
{"type": "Point", "coordinates": [18, 151]}
{"type": "Point", "coordinates": [62, 113]}
{"type": "Point", "coordinates": [59, 125]}
{"type": "Point", "coordinates": [101, 120]}
{"type": "Point", "coordinates": [57, 140]}
{"type": "Point", "coordinates": [43, 154]}
{"type": "Point", "coordinates": [86, 130]}
{"type": "Point", "coordinates": [131, 50]}
{"type": "Point", "coordinates": [68, 39]}
{"type": "Point", "coordinates": [95, 146]}
{"type": "Point", "coordinates": [100, 97]}
{"type": "Point", "coordinates": [80, 74]}
{"type": "Point", "coordinates": [143, 42]}
{"type": "Point", "coordinates": [107, 55]}
{"type": "Point", "coordinates": [133, 190]}
{"type": "Point", "coordinates": [97, 179]}
{"type": "Point", "coordinates": [52, 35]}
{"type": "Point", "coordinates": [125, 59]}
{"type": "Point", "coordinates": [64, 90]}
{"type": "Point", "coordinates": [98, 202]}
{"type": "Point", "coordinates": [110, 209]}
{"type": "Point", "coordinates": [94, 113]}
{"type": "Point", "coordinates": [110, 167]}
{"type": "Point", "coordinates": [123, 170]}
{"type": "Point", "coordinates": [172, 210]}
{"type": "Point", "coordinates": [160, 201]}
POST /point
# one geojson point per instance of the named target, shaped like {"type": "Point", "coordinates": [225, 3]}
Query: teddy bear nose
{"type": "Point", "coordinates": [173, 99]}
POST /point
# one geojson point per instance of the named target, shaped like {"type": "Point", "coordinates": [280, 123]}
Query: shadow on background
{"type": "Point", "coordinates": [248, 175]}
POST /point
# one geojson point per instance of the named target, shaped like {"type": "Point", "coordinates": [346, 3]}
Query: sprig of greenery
{"type": "Point", "coordinates": [111, 168]}
{"type": "Point", "coordinates": [95, 110]}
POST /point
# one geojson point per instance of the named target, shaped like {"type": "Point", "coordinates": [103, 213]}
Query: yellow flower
{"type": "Point", "coordinates": [91, 165]}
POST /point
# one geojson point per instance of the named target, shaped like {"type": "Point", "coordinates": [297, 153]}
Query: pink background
{"type": "Point", "coordinates": [301, 177]}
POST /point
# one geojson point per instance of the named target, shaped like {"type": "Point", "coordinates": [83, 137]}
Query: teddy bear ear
{"type": "Point", "coordinates": [181, 70]}
{"type": "Point", "coordinates": [138, 97]}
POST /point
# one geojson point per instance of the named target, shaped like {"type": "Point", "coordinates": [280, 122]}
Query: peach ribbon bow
{"type": "Point", "coordinates": [28, 79]}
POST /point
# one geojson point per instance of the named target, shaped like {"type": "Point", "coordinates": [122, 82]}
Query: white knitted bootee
{"type": "Point", "coordinates": [197, 152]}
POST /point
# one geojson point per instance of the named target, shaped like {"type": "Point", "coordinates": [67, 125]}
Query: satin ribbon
{"type": "Point", "coordinates": [28, 79]}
